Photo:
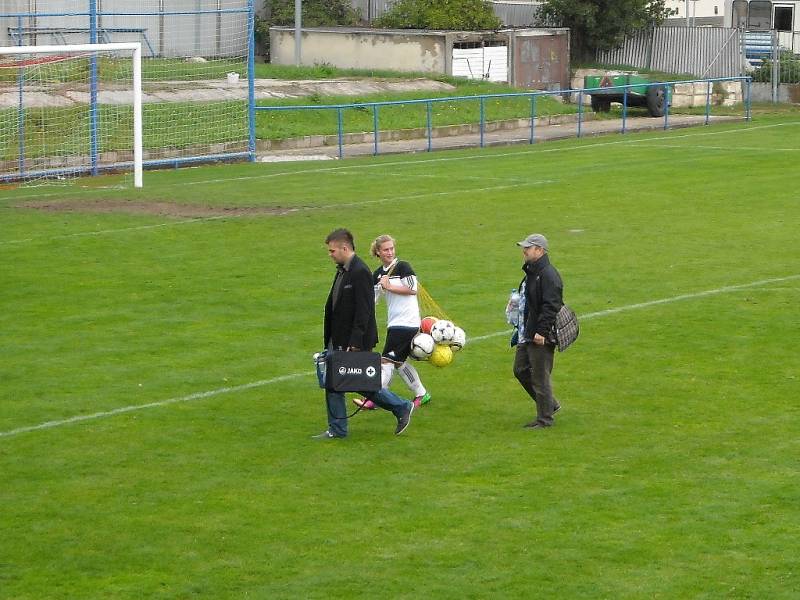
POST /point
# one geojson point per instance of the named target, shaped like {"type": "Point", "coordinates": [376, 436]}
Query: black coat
{"type": "Point", "coordinates": [352, 321]}
{"type": "Point", "coordinates": [543, 297]}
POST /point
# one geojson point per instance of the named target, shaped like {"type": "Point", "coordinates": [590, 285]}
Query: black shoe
{"type": "Point", "coordinates": [403, 422]}
{"type": "Point", "coordinates": [326, 435]}
{"type": "Point", "coordinates": [536, 425]}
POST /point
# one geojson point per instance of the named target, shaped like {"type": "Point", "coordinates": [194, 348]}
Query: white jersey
{"type": "Point", "coordinates": [403, 308]}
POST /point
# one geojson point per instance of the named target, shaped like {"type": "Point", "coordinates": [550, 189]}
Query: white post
{"type": "Point", "coordinates": [137, 116]}
{"type": "Point", "coordinates": [298, 28]}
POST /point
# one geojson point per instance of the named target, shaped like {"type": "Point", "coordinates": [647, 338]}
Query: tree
{"type": "Point", "coordinates": [316, 13]}
{"type": "Point", "coordinates": [602, 24]}
{"type": "Point", "coordinates": [467, 15]}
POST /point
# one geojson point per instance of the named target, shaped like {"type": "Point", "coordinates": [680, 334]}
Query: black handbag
{"type": "Point", "coordinates": [353, 371]}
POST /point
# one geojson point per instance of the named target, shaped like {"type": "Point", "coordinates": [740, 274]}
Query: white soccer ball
{"type": "Point", "coordinates": [459, 339]}
{"type": "Point", "coordinates": [422, 346]}
{"type": "Point", "coordinates": [443, 331]}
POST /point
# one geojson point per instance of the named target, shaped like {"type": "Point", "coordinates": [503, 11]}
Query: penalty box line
{"type": "Point", "coordinates": [265, 382]}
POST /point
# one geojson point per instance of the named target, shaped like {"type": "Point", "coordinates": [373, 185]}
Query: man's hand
{"type": "Point", "coordinates": [353, 349]}
{"type": "Point", "coordinates": [538, 339]}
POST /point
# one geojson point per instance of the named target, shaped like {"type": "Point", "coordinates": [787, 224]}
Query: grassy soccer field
{"type": "Point", "coordinates": [157, 396]}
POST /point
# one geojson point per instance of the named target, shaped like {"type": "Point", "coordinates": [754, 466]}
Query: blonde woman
{"type": "Point", "coordinates": [396, 282]}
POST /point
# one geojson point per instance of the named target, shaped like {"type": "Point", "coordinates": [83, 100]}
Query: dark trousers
{"type": "Point", "coordinates": [532, 367]}
{"type": "Point", "coordinates": [337, 410]}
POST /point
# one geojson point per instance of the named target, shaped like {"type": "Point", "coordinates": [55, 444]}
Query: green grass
{"type": "Point", "coordinates": [289, 124]}
{"type": "Point", "coordinates": [671, 472]}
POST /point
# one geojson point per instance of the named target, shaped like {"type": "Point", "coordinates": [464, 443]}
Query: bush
{"type": "Point", "coordinates": [316, 13]}
{"type": "Point", "coordinates": [789, 66]}
{"type": "Point", "coordinates": [467, 15]}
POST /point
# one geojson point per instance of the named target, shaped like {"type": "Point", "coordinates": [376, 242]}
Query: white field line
{"type": "Point", "coordinates": [265, 382]}
{"type": "Point", "coordinates": [287, 211]}
{"type": "Point", "coordinates": [537, 150]}
{"type": "Point", "coordinates": [726, 148]}
{"type": "Point", "coordinates": [369, 166]}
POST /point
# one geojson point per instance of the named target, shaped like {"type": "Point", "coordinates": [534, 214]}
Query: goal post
{"type": "Point", "coordinates": [55, 121]}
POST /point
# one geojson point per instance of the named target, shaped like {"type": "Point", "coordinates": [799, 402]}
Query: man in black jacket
{"type": "Point", "coordinates": [540, 301]}
{"type": "Point", "coordinates": [350, 325]}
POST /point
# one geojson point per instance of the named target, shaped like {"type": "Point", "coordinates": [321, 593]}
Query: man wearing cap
{"type": "Point", "coordinates": [540, 300]}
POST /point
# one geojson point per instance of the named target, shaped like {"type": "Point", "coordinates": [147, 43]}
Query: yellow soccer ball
{"type": "Point", "coordinates": [441, 356]}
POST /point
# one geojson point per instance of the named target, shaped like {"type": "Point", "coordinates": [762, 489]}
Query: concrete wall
{"type": "Point", "coordinates": [354, 48]}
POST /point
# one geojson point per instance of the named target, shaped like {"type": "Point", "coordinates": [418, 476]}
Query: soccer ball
{"type": "Point", "coordinates": [459, 339]}
{"type": "Point", "coordinates": [426, 324]}
{"type": "Point", "coordinates": [421, 346]}
{"type": "Point", "coordinates": [443, 331]}
{"type": "Point", "coordinates": [441, 356]}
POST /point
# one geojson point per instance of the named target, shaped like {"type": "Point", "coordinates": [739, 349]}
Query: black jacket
{"type": "Point", "coordinates": [543, 297]}
{"type": "Point", "coordinates": [351, 322]}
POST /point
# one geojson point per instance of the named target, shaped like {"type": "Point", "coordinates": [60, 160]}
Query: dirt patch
{"type": "Point", "coordinates": [164, 209]}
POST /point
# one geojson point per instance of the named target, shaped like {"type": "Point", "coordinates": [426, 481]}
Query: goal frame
{"type": "Point", "coordinates": [136, 56]}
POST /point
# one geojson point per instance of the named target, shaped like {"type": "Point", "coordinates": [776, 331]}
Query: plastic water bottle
{"type": "Point", "coordinates": [512, 308]}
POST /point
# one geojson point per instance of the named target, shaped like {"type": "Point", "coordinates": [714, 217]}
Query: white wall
{"type": "Point", "coordinates": [355, 49]}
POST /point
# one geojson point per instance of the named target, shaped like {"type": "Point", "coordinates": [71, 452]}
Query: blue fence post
{"type": "Point", "coordinates": [430, 125]}
{"type": "Point", "coordinates": [667, 98]}
{"type": "Point", "coordinates": [533, 117]}
{"type": "Point", "coordinates": [341, 134]}
{"type": "Point", "coordinates": [93, 113]}
{"type": "Point", "coordinates": [580, 112]}
{"type": "Point", "coordinates": [483, 115]}
{"type": "Point", "coordinates": [708, 100]}
{"type": "Point", "coordinates": [375, 130]}
{"type": "Point", "coordinates": [251, 80]}
{"type": "Point", "coordinates": [624, 109]}
{"type": "Point", "coordinates": [21, 106]}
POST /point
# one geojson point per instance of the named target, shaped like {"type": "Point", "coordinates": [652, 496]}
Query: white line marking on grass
{"type": "Point", "coordinates": [127, 409]}
{"type": "Point", "coordinates": [537, 149]}
{"type": "Point", "coordinates": [265, 382]}
{"type": "Point", "coordinates": [728, 148]}
{"type": "Point", "coordinates": [288, 211]}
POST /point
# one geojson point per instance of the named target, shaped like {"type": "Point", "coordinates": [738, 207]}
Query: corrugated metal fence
{"type": "Point", "coordinates": [172, 28]}
{"type": "Point", "coordinates": [699, 51]}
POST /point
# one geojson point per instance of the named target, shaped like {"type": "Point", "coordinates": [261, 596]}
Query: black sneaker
{"type": "Point", "coordinates": [403, 422]}
{"type": "Point", "coordinates": [326, 435]}
{"type": "Point", "coordinates": [536, 425]}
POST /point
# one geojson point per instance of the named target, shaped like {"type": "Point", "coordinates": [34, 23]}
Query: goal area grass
{"type": "Point", "coordinates": [158, 395]}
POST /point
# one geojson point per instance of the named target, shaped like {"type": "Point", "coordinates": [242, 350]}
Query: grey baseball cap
{"type": "Point", "coordinates": [534, 239]}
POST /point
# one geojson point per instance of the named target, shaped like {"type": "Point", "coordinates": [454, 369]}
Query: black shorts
{"type": "Point", "coordinates": [398, 343]}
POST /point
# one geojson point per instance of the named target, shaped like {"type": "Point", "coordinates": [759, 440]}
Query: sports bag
{"type": "Point", "coordinates": [565, 329]}
{"type": "Point", "coordinates": [353, 371]}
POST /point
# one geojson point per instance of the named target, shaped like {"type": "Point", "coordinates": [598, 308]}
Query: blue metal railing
{"type": "Point", "coordinates": [428, 102]}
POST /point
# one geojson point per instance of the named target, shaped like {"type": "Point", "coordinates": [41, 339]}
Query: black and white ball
{"type": "Point", "coordinates": [443, 331]}
{"type": "Point", "coordinates": [422, 346]}
{"type": "Point", "coordinates": [459, 339]}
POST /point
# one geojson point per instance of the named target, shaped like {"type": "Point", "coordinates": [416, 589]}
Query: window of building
{"type": "Point", "coordinates": [782, 18]}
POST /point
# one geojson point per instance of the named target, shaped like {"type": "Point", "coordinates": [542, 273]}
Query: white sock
{"type": "Point", "coordinates": [411, 378]}
{"type": "Point", "coordinates": [387, 372]}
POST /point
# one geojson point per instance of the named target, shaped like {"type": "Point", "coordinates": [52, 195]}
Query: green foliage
{"type": "Point", "coordinates": [316, 13]}
{"type": "Point", "coordinates": [603, 24]}
{"type": "Point", "coordinates": [466, 15]}
{"type": "Point", "coordinates": [789, 66]}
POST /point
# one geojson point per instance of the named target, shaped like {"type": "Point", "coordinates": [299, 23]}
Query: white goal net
{"type": "Point", "coordinates": [70, 110]}
{"type": "Point", "coordinates": [197, 90]}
